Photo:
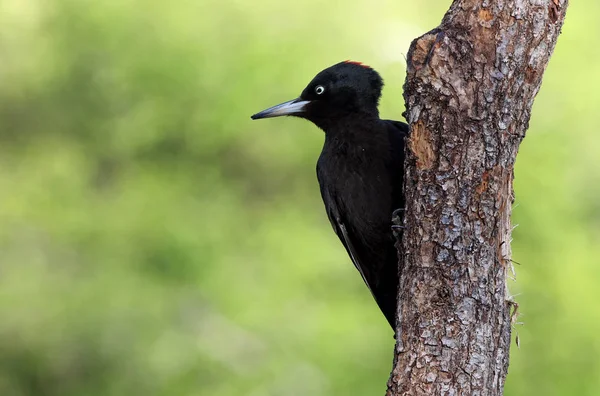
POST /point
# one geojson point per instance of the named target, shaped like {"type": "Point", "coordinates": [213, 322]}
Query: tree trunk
{"type": "Point", "coordinates": [469, 90]}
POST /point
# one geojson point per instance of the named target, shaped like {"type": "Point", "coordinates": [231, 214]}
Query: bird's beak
{"type": "Point", "coordinates": [292, 107]}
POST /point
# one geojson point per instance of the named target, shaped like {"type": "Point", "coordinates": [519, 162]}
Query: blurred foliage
{"type": "Point", "coordinates": [155, 241]}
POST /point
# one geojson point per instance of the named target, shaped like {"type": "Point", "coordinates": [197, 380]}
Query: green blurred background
{"type": "Point", "coordinates": [155, 241]}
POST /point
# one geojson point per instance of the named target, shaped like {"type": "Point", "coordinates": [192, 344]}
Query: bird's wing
{"type": "Point", "coordinates": [382, 291]}
{"type": "Point", "coordinates": [340, 227]}
{"type": "Point", "coordinates": [347, 241]}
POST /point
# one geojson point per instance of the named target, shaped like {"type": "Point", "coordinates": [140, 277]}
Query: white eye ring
{"type": "Point", "coordinates": [319, 89]}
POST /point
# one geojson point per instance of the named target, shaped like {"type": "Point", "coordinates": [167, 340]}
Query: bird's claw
{"type": "Point", "coordinates": [398, 216]}
{"type": "Point", "coordinates": [396, 213]}
{"type": "Point", "coordinates": [397, 220]}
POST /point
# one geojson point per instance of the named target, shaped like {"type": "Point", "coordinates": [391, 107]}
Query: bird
{"type": "Point", "coordinates": [360, 170]}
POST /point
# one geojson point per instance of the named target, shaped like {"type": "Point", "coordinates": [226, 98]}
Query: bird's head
{"type": "Point", "coordinates": [342, 90]}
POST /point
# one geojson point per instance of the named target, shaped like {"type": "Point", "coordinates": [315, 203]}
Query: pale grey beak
{"type": "Point", "coordinates": [292, 107]}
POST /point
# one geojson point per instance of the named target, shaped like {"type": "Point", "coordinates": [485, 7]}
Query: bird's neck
{"type": "Point", "coordinates": [353, 129]}
{"type": "Point", "coordinates": [353, 142]}
{"type": "Point", "coordinates": [335, 122]}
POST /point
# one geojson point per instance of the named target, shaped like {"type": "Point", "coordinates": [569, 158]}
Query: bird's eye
{"type": "Point", "coordinates": [319, 89]}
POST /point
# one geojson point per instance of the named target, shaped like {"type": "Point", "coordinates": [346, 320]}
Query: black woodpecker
{"type": "Point", "coordinates": [360, 169]}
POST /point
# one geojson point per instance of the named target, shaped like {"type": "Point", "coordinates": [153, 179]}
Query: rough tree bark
{"type": "Point", "coordinates": [469, 90]}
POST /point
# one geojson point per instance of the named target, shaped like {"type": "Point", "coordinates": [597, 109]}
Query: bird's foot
{"type": "Point", "coordinates": [398, 212]}
{"type": "Point", "coordinates": [397, 221]}
{"type": "Point", "coordinates": [397, 230]}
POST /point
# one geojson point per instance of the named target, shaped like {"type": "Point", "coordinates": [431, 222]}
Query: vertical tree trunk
{"type": "Point", "coordinates": [469, 91]}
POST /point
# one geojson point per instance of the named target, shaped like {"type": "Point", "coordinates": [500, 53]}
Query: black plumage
{"type": "Point", "coordinates": [360, 169]}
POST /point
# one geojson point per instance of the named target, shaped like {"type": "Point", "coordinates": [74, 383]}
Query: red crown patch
{"type": "Point", "coordinates": [358, 64]}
